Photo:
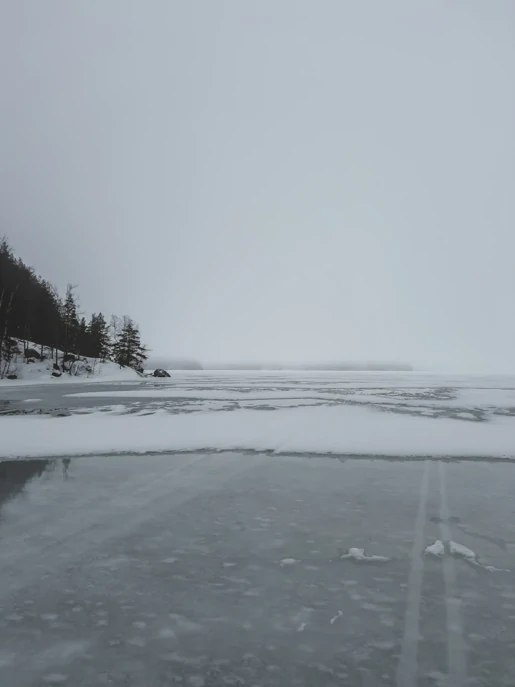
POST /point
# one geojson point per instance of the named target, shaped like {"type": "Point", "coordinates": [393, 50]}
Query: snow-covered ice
{"type": "Point", "coordinates": [386, 414]}
{"type": "Point", "coordinates": [337, 430]}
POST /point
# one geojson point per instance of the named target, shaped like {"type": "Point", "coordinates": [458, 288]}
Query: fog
{"type": "Point", "coordinates": [287, 181]}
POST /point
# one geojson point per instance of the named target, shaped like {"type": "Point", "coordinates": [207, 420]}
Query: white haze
{"type": "Point", "coordinates": [287, 181]}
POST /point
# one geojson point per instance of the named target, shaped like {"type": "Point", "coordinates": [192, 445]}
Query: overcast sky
{"type": "Point", "coordinates": [272, 179]}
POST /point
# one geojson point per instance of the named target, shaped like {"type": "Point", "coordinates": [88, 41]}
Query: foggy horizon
{"type": "Point", "coordinates": [292, 182]}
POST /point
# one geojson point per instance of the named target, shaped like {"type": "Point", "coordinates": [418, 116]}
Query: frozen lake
{"type": "Point", "coordinates": [263, 559]}
{"type": "Point", "coordinates": [388, 414]}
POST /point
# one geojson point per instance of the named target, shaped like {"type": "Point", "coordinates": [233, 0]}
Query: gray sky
{"type": "Point", "coordinates": [282, 180]}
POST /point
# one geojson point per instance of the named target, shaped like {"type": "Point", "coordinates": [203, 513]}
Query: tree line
{"type": "Point", "coordinates": [32, 310]}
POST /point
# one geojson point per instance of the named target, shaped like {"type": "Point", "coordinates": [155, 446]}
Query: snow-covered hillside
{"type": "Point", "coordinates": [40, 368]}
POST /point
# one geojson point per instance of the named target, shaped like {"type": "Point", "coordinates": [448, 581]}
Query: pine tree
{"type": "Point", "coordinates": [9, 350]}
{"type": "Point", "coordinates": [100, 341]}
{"type": "Point", "coordinates": [70, 321]}
{"type": "Point", "coordinates": [33, 312]}
{"type": "Point", "coordinates": [83, 338]}
{"type": "Point", "coordinates": [127, 349]}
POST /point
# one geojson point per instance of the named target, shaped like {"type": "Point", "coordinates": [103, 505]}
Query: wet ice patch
{"type": "Point", "coordinates": [14, 617]}
{"type": "Point", "coordinates": [137, 641]}
{"type": "Point", "coordinates": [184, 624]}
{"type": "Point", "coordinates": [61, 652]}
{"type": "Point", "coordinates": [166, 633]}
{"type": "Point", "coordinates": [112, 562]}
{"type": "Point", "coordinates": [55, 679]}
{"type": "Point", "coordinates": [252, 592]}
{"type": "Point", "coordinates": [7, 658]}
{"type": "Point", "coordinates": [383, 645]}
{"type": "Point", "coordinates": [185, 660]}
{"type": "Point", "coordinates": [139, 624]}
{"type": "Point", "coordinates": [360, 556]}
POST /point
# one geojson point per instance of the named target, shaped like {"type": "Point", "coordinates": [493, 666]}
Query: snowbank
{"type": "Point", "coordinates": [339, 430]}
{"type": "Point", "coordinates": [41, 373]}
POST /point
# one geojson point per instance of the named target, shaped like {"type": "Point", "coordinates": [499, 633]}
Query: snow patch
{"type": "Point", "coordinates": [359, 555]}
{"type": "Point", "coordinates": [436, 549]}
{"type": "Point", "coordinates": [84, 370]}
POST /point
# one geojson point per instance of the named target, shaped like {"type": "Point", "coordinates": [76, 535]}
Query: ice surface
{"type": "Point", "coordinates": [340, 430]}
{"type": "Point", "coordinates": [97, 542]}
{"type": "Point", "coordinates": [383, 414]}
{"type": "Point", "coordinates": [352, 391]}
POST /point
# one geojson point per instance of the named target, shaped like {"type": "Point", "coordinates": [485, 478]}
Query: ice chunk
{"type": "Point", "coordinates": [436, 549]}
{"type": "Point", "coordinates": [360, 555]}
{"type": "Point", "coordinates": [460, 551]}
{"type": "Point", "coordinates": [288, 561]}
{"type": "Point", "coordinates": [463, 551]}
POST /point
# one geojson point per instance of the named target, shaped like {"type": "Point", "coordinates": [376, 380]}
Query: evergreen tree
{"type": "Point", "coordinates": [70, 321]}
{"type": "Point", "coordinates": [83, 338]}
{"type": "Point", "coordinates": [127, 349]}
{"type": "Point", "coordinates": [100, 342]}
{"type": "Point", "coordinates": [9, 349]}
{"type": "Point", "coordinates": [31, 310]}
